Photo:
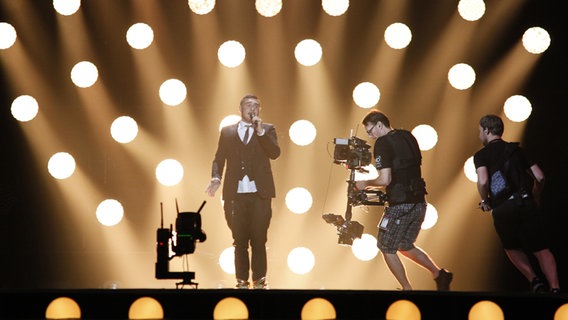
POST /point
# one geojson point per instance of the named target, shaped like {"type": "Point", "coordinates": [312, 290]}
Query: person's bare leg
{"type": "Point", "coordinates": [547, 264]}
{"type": "Point", "coordinates": [397, 268]}
{"type": "Point", "coordinates": [521, 261]}
{"type": "Point", "coordinates": [421, 258]}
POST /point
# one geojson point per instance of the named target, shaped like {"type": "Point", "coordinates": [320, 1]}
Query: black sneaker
{"type": "Point", "coordinates": [537, 286]}
{"type": "Point", "coordinates": [555, 290]}
{"type": "Point", "coordinates": [443, 280]}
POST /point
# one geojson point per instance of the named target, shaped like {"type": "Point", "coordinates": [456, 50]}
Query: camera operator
{"type": "Point", "coordinates": [398, 161]}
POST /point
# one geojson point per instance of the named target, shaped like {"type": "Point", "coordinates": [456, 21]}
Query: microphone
{"type": "Point", "coordinates": [254, 122]}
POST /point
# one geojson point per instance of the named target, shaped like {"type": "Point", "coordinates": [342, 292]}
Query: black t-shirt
{"type": "Point", "coordinates": [495, 153]}
{"type": "Point", "coordinates": [399, 151]}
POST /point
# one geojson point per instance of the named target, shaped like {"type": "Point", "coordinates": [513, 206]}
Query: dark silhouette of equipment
{"type": "Point", "coordinates": [188, 231]}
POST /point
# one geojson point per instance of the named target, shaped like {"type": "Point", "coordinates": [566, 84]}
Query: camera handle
{"type": "Point", "coordinates": [350, 191]}
{"type": "Point", "coordinates": [357, 198]}
{"type": "Point", "coordinates": [349, 230]}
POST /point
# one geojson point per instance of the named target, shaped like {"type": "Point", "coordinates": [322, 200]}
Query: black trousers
{"type": "Point", "coordinates": [248, 216]}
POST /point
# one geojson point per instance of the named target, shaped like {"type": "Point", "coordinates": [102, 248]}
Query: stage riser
{"type": "Point", "coordinates": [278, 304]}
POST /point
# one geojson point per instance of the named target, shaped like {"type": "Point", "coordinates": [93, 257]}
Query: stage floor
{"type": "Point", "coordinates": [191, 303]}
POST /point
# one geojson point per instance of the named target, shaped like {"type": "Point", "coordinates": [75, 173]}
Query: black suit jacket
{"type": "Point", "coordinates": [253, 159]}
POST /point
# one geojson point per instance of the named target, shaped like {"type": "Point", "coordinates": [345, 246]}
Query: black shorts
{"type": "Point", "coordinates": [519, 225]}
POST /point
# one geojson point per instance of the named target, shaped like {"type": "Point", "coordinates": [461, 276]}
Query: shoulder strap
{"type": "Point", "coordinates": [507, 154]}
{"type": "Point", "coordinates": [510, 148]}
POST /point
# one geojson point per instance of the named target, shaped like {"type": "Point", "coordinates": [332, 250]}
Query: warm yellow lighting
{"type": "Point", "coordinates": [485, 310]}
{"type": "Point", "coordinates": [230, 308]}
{"type": "Point", "coordinates": [231, 54]}
{"type": "Point", "coordinates": [366, 95]}
{"type": "Point", "coordinates": [562, 312]}
{"type": "Point", "coordinates": [63, 308]}
{"type": "Point", "coordinates": [431, 217]}
{"type": "Point", "coordinates": [84, 74]}
{"type": "Point", "coordinates": [398, 35]}
{"type": "Point", "coordinates": [426, 136]}
{"type": "Point", "coordinates": [140, 36]}
{"type": "Point", "coordinates": [403, 309]}
{"type": "Point", "coordinates": [335, 7]}
{"type": "Point", "coordinates": [536, 40]}
{"type": "Point", "coordinates": [124, 129]}
{"type": "Point", "coordinates": [173, 92]}
{"type": "Point", "coordinates": [308, 52]}
{"type": "Point", "coordinates": [146, 308]}
{"type": "Point", "coordinates": [517, 108]}
{"type": "Point", "coordinates": [299, 200]}
{"type": "Point", "coordinates": [302, 132]}
{"type": "Point", "coordinates": [268, 8]}
{"type": "Point", "coordinates": [375, 52]}
{"type": "Point", "coordinates": [318, 309]}
{"type": "Point", "coordinates": [66, 7]}
{"type": "Point", "coordinates": [201, 6]}
{"type": "Point", "coordinates": [24, 108]}
{"type": "Point", "coordinates": [227, 260]}
{"type": "Point", "coordinates": [471, 10]}
{"type": "Point", "coordinates": [301, 260]}
{"type": "Point", "coordinates": [365, 248]}
{"type": "Point", "coordinates": [229, 120]}
{"type": "Point", "coordinates": [109, 212]}
{"type": "Point", "coordinates": [9, 35]}
{"type": "Point", "coordinates": [461, 76]}
{"type": "Point", "coordinates": [469, 170]}
{"type": "Point", "coordinates": [370, 173]}
{"type": "Point", "coordinates": [169, 172]}
{"type": "Point", "coordinates": [61, 165]}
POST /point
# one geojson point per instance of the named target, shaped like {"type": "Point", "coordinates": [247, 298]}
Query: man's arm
{"type": "Point", "coordinates": [217, 167]}
{"type": "Point", "coordinates": [383, 180]}
{"type": "Point", "coordinates": [483, 188]}
{"type": "Point", "coordinates": [269, 142]}
{"type": "Point", "coordinates": [538, 186]}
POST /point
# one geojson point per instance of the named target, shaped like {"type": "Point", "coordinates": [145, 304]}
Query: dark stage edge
{"type": "Point", "coordinates": [277, 304]}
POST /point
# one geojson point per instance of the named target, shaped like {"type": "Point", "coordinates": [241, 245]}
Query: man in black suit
{"type": "Point", "coordinates": [247, 148]}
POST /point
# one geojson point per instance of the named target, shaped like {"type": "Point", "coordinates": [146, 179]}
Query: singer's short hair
{"type": "Point", "coordinates": [250, 97]}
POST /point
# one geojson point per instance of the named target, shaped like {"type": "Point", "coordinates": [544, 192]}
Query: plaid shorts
{"type": "Point", "coordinates": [399, 226]}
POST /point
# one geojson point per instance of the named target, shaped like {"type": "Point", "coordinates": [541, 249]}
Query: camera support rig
{"type": "Point", "coordinates": [188, 230]}
{"type": "Point", "coordinates": [367, 197]}
{"type": "Point", "coordinates": [354, 154]}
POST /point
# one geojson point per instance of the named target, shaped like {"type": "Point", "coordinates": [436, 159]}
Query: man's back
{"type": "Point", "coordinates": [508, 169]}
{"type": "Point", "coordinates": [399, 151]}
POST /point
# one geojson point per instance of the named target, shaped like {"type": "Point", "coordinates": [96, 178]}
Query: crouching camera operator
{"type": "Point", "coordinates": [398, 161]}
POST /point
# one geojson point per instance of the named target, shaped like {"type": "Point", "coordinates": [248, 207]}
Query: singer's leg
{"type": "Point", "coordinates": [262, 213]}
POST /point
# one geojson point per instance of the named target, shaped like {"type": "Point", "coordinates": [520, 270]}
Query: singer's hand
{"type": "Point", "coordinates": [212, 187]}
{"type": "Point", "coordinates": [257, 124]}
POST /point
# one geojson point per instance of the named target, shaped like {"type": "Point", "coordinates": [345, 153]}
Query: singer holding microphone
{"type": "Point", "coordinates": [243, 153]}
